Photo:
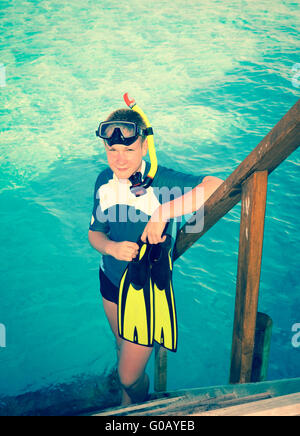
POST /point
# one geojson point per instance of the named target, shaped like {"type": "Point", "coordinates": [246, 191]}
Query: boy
{"type": "Point", "coordinates": [119, 218]}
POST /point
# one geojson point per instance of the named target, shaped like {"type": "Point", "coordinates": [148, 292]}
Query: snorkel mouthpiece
{"type": "Point", "coordinates": [139, 186]}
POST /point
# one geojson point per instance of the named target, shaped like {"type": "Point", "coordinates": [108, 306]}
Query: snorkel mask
{"type": "Point", "coordinates": [120, 132]}
{"type": "Point", "coordinates": [126, 133]}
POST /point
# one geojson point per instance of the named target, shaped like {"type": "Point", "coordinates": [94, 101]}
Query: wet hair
{"type": "Point", "coordinates": [128, 115]}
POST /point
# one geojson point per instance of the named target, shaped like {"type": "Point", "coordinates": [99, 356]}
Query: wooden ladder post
{"type": "Point", "coordinates": [262, 345]}
{"type": "Point", "coordinates": [160, 371]}
{"type": "Point", "coordinates": [254, 193]}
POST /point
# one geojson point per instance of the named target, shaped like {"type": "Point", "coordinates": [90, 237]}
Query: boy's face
{"type": "Point", "coordinates": [126, 160]}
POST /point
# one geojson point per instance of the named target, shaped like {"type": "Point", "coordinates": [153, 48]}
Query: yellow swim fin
{"type": "Point", "coordinates": [165, 319]}
{"type": "Point", "coordinates": [135, 308]}
{"type": "Point", "coordinates": [146, 310]}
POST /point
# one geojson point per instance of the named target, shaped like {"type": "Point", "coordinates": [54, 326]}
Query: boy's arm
{"type": "Point", "coordinates": [184, 205]}
{"type": "Point", "coordinates": [192, 201]}
{"type": "Point", "coordinates": [125, 250]}
{"type": "Point", "coordinates": [101, 242]}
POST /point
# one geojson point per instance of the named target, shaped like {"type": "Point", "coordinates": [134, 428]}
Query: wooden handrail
{"type": "Point", "coordinates": [277, 145]}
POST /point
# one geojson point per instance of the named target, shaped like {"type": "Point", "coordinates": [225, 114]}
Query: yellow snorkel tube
{"type": "Point", "coordinates": [139, 188]}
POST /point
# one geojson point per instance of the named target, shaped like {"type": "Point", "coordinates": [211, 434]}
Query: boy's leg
{"type": "Point", "coordinates": [132, 365]}
{"type": "Point", "coordinates": [111, 311]}
{"type": "Point", "coordinates": [132, 360]}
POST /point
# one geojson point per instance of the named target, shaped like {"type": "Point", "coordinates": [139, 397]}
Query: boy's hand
{"type": "Point", "coordinates": [155, 228]}
{"type": "Point", "coordinates": [124, 250]}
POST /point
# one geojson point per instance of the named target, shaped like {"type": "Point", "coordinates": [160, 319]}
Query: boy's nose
{"type": "Point", "coordinates": [121, 158]}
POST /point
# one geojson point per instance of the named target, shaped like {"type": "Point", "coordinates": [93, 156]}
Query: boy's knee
{"type": "Point", "coordinates": [127, 380]}
{"type": "Point", "coordinates": [136, 388]}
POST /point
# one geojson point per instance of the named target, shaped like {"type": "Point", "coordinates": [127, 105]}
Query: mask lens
{"type": "Point", "coordinates": [128, 130]}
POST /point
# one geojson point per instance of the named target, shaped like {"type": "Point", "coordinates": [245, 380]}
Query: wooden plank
{"type": "Point", "coordinates": [277, 145]}
{"type": "Point", "coordinates": [135, 409]}
{"type": "Point", "coordinates": [254, 192]}
{"type": "Point", "coordinates": [185, 405]}
{"type": "Point", "coordinates": [288, 405]}
{"type": "Point", "coordinates": [206, 398]}
{"type": "Point", "coordinates": [160, 371]}
{"type": "Point", "coordinates": [191, 405]}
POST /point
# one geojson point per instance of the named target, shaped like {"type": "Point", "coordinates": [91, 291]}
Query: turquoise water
{"type": "Point", "coordinates": [213, 77]}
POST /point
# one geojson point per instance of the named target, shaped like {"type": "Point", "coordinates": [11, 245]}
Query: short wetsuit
{"type": "Point", "coordinates": [123, 217]}
{"type": "Point", "coordinates": [108, 290]}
